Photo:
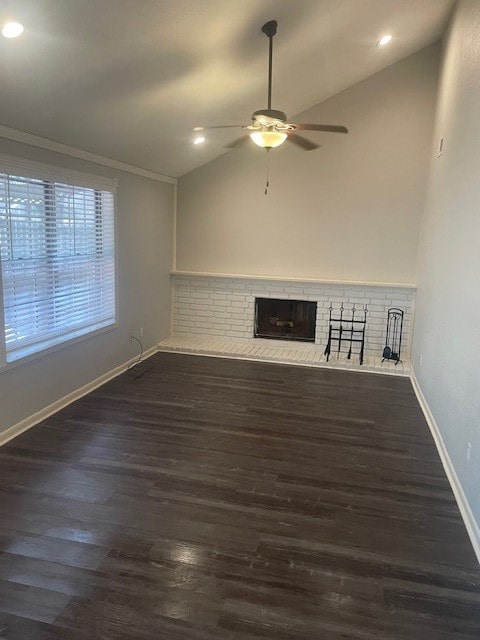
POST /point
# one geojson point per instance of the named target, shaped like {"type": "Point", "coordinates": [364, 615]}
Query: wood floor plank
{"type": "Point", "coordinates": [14, 627]}
{"type": "Point", "coordinates": [216, 499]}
{"type": "Point", "coordinates": [38, 604]}
{"type": "Point", "coordinates": [44, 547]}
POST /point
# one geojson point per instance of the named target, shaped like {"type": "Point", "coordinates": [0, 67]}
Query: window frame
{"type": "Point", "coordinates": [51, 174]}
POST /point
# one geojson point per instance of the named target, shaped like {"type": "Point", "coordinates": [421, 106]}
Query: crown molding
{"type": "Point", "coordinates": [58, 147]}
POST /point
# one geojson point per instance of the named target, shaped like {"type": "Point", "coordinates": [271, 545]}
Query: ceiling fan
{"type": "Point", "coordinates": [269, 127]}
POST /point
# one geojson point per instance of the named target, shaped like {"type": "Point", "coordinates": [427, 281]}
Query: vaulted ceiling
{"type": "Point", "coordinates": [129, 79]}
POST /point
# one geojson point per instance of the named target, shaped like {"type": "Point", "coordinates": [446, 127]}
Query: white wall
{"type": "Point", "coordinates": [446, 348]}
{"type": "Point", "coordinates": [348, 211]}
{"type": "Point", "coordinates": [144, 218]}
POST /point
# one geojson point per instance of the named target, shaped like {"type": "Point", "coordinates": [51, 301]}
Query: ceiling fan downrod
{"type": "Point", "coordinates": [270, 29]}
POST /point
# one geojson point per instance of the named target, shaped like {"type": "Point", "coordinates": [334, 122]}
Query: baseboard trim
{"type": "Point", "coordinates": [35, 418]}
{"type": "Point", "coordinates": [471, 524]}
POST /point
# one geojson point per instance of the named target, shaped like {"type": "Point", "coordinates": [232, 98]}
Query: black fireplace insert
{"type": "Point", "coordinates": [285, 319]}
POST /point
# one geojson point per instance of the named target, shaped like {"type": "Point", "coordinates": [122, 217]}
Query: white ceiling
{"type": "Point", "coordinates": [128, 79]}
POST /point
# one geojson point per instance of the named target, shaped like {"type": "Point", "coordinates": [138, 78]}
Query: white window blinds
{"type": "Point", "coordinates": [57, 258]}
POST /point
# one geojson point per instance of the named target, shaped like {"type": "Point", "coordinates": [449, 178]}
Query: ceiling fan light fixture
{"type": "Point", "coordinates": [268, 139]}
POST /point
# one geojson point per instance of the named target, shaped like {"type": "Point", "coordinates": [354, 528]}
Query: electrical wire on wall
{"type": "Point", "coordinates": [143, 370]}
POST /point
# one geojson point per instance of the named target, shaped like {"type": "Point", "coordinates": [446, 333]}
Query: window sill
{"type": "Point", "coordinates": [56, 347]}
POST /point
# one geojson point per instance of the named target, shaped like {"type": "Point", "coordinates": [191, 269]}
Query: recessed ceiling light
{"type": "Point", "coordinates": [384, 40]}
{"type": "Point", "coordinates": [12, 29]}
{"type": "Point", "coordinates": [199, 140]}
{"type": "Point", "coordinates": [198, 128]}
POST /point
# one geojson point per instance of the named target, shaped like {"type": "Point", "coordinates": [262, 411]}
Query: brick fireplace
{"type": "Point", "coordinates": [223, 307]}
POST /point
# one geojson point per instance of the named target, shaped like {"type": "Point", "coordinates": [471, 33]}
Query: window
{"type": "Point", "coordinates": [57, 256]}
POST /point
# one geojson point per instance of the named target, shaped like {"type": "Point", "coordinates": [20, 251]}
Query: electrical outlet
{"type": "Point", "coordinates": [421, 359]}
{"type": "Point", "coordinates": [141, 332]}
{"type": "Point", "coordinates": [469, 451]}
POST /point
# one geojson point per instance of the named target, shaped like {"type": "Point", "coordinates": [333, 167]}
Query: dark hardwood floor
{"type": "Point", "coordinates": [221, 499]}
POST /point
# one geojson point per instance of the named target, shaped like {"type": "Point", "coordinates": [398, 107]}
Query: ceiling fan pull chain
{"type": "Point", "coordinates": [267, 177]}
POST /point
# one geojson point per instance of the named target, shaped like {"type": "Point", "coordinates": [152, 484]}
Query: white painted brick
{"type": "Point", "coordinates": [378, 322]}
{"type": "Point", "coordinates": [358, 302]}
{"type": "Point", "coordinates": [293, 289]}
{"type": "Point", "coordinates": [226, 307]}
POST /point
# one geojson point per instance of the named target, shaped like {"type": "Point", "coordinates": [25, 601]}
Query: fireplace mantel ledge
{"type": "Point", "coordinates": [236, 276]}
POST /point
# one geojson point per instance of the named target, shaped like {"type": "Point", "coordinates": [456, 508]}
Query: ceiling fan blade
{"type": "Point", "coordinates": [220, 126]}
{"type": "Point", "coordinates": [320, 127]}
{"type": "Point", "coordinates": [302, 142]}
{"type": "Point", "coordinates": [237, 142]}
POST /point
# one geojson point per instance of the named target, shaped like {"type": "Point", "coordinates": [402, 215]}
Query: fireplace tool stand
{"type": "Point", "coordinates": [346, 330]}
{"type": "Point", "coordinates": [393, 340]}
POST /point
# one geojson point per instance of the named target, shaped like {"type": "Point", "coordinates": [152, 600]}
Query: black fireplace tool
{"type": "Point", "coordinates": [345, 328]}
{"type": "Point", "coordinates": [393, 339]}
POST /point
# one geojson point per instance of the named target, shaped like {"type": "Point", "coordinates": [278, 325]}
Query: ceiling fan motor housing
{"type": "Point", "coordinates": [269, 117]}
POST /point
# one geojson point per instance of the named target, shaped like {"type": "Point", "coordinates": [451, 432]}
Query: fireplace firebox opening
{"type": "Point", "coordinates": [285, 319]}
